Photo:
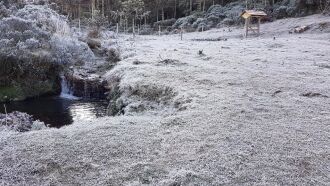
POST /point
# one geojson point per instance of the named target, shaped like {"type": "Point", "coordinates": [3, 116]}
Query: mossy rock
{"type": "Point", "coordinates": [22, 78]}
{"type": "Point", "coordinates": [11, 93]}
{"type": "Point", "coordinates": [23, 91]}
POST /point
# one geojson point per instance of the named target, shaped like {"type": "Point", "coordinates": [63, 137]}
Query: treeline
{"type": "Point", "coordinates": [150, 11]}
{"type": "Point", "coordinates": [147, 10]}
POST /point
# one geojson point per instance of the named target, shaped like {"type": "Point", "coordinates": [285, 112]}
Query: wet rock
{"type": "Point", "coordinates": [22, 79]}
{"type": "Point", "coordinates": [301, 29]}
{"type": "Point", "coordinates": [85, 85]}
{"type": "Point", "coordinates": [93, 43]}
{"type": "Point", "coordinates": [113, 55]}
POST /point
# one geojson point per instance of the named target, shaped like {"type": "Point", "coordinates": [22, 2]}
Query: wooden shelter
{"type": "Point", "coordinates": [248, 15]}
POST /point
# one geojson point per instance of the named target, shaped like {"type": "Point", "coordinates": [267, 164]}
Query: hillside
{"type": "Point", "coordinates": [211, 109]}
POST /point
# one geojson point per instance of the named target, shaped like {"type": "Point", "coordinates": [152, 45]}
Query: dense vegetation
{"type": "Point", "coordinates": [36, 41]}
{"type": "Point", "coordinates": [35, 45]}
{"type": "Point", "coordinates": [156, 10]}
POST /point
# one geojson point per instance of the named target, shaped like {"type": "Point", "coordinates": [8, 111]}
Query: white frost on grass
{"type": "Point", "coordinates": [244, 119]}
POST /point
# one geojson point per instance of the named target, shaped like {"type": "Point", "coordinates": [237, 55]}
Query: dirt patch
{"type": "Point", "coordinates": [170, 62]}
{"type": "Point", "coordinates": [211, 39]}
{"type": "Point", "coordinates": [323, 66]}
{"type": "Point", "coordinates": [276, 92]}
{"type": "Point", "coordinates": [314, 94]}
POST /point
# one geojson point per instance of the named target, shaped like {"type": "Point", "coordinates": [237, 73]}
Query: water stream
{"type": "Point", "coordinates": [66, 92]}
{"type": "Point", "coordinates": [58, 111]}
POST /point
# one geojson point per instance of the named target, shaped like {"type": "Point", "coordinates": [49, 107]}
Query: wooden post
{"type": "Point", "coordinates": [259, 20]}
{"type": "Point", "coordinates": [159, 30]}
{"type": "Point", "coordinates": [4, 105]}
{"type": "Point", "coordinates": [202, 28]}
{"type": "Point", "coordinates": [181, 33]}
{"type": "Point", "coordinates": [79, 12]}
{"type": "Point", "coordinates": [125, 26]}
{"type": "Point", "coordinates": [246, 27]}
{"type": "Point", "coordinates": [133, 27]}
{"type": "Point", "coordinates": [117, 30]}
{"type": "Point", "coordinates": [138, 29]}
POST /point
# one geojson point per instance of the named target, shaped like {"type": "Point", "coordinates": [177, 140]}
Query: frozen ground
{"type": "Point", "coordinates": [246, 112]}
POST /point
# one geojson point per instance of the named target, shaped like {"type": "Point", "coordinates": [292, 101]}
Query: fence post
{"type": "Point", "coordinates": [138, 29]}
{"type": "Point", "coordinates": [181, 33]}
{"type": "Point", "coordinates": [159, 30]}
{"type": "Point", "coordinates": [117, 30]}
{"type": "Point", "coordinates": [133, 27]}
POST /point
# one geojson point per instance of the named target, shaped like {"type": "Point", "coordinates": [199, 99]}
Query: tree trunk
{"type": "Point", "coordinates": [103, 12]}
{"type": "Point", "coordinates": [79, 14]}
{"type": "Point", "coordinates": [204, 5]}
{"type": "Point", "coordinates": [93, 8]}
{"type": "Point", "coordinates": [133, 26]}
{"type": "Point", "coordinates": [175, 9]}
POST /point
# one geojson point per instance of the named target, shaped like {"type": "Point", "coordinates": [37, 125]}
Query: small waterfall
{"type": "Point", "coordinates": [65, 90]}
{"type": "Point", "coordinates": [86, 90]}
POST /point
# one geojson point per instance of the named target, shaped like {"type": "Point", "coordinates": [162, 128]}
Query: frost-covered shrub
{"type": "Point", "coordinates": [228, 22]}
{"type": "Point", "coordinates": [146, 30]}
{"type": "Point", "coordinates": [4, 12]}
{"type": "Point", "coordinates": [281, 12]}
{"type": "Point", "coordinates": [29, 44]}
{"type": "Point", "coordinates": [185, 22]}
{"type": "Point", "coordinates": [20, 122]}
{"type": "Point", "coordinates": [106, 34]}
{"type": "Point", "coordinates": [45, 18]}
{"type": "Point", "coordinates": [36, 28]}
{"type": "Point", "coordinates": [214, 19]}
{"type": "Point", "coordinates": [94, 33]}
{"type": "Point", "coordinates": [69, 50]}
{"type": "Point", "coordinates": [167, 22]}
{"type": "Point", "coordinates": [113, 55]}
{"type": "Point", "coordinates": [216, 11]}
{"type": "Point", "coordinates": [19, 34]}
{"type": "Point", "coordinates": [35, 44]}
{"type": "Point", "coordinates": [233, 11]}
{"type": "Point", "coordinates": [199, 23]}
{"type": "Point", "coordinates": [214, 15]}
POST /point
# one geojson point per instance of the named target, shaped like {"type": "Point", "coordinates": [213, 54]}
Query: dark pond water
{"type": "Point", "coordinates": [59, 111]}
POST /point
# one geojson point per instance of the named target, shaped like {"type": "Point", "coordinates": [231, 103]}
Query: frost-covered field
{"type": "Point", "coordinates": [245, 112]}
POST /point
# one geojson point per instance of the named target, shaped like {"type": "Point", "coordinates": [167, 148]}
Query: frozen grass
{"type": "Point", "coordinates": [234, 116]}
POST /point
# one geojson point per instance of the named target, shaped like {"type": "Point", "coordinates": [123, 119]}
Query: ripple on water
{"type": "Point", "coordinates": [60, 111]}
